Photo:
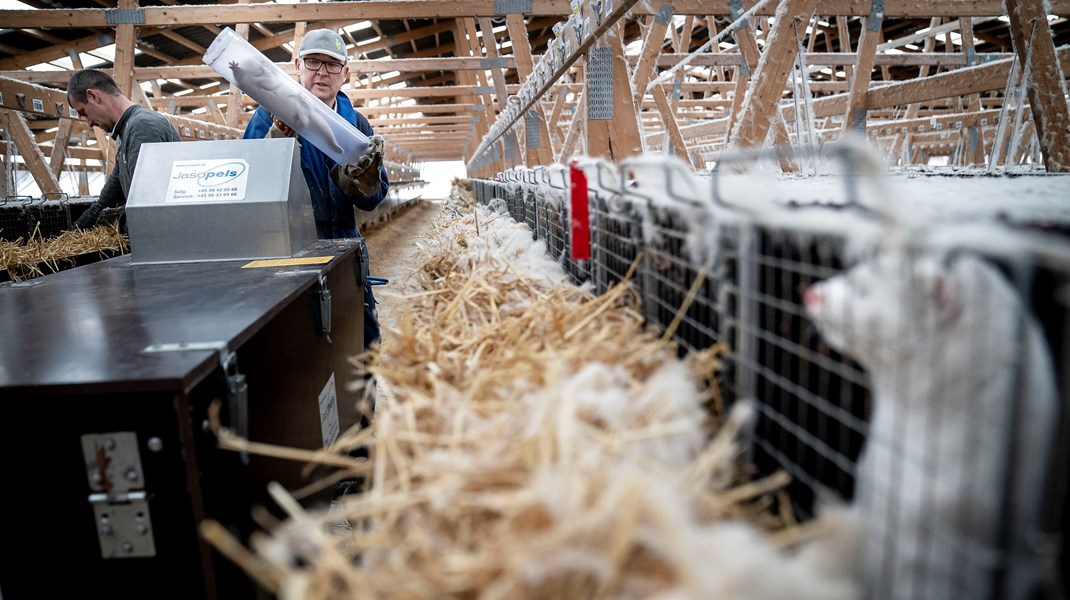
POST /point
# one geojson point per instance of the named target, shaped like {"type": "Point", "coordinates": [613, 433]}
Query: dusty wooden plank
{"type": "Point", "coordinates": [975, 148]}
{"type": "Point", "coordinates": [420, 92]}
{"type": "Point", "coordinates": [125, 36]}
{"type": "Point", "coordinates": [58, 156]}
{"type": "Point", "coordinates": [971, 80]}
{"type": "Point", "coordinates": [912, 110]}
{"type": "Point", "coordinates": [414, 9]}
{"type": "Point", "coordinates": [624, 137]}
{"type": "Point", "coordinates": [620, 9]}
{"type": "Point", "coordinates": [543, 154]}
{"type": "Point", "coordinates": [652, 43]}
{"type": "Point", "coordinates": [555, 118]}
{"type": "Point", "coordinates": [748, 47]}
{"type": "Point", "coordinates": [24, 59]}
{"type": "Point", "coordinates": [1047, 87]}
{"type": "Point", "coordinates": [31, 154]}
{"type": "Point", "coordinates": [234, 93]}
{"type": "Point", "coordinates": [518, 36]}
{"type": "Point", "coordinates": [831, 59]}
{"type": "Point", "coordinates": [772, 73]}
{"type": "Point", "coordinates": [661, 98]}
{"type": "Point", "coordinates": [855, 113]}
{"type": "Point", "coordinates": [497, 75]}
{"type": "Point", "coordinates": [479, 124]}
{"type": "Point", "coordinates": [27, 97]}
{"type": "Point", "coordinates": [415, 65]}
{"type": "Point", "coordinates": [576, 128]}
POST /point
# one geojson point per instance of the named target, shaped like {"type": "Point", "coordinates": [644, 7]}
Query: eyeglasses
{"type": "Point", "coordinates": [314, 64]}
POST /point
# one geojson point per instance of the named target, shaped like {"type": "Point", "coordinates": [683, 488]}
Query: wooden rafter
{"type": "Point", "coordinates": [769, 78]}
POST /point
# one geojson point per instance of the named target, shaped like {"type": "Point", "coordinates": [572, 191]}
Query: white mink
{"type": "Point", "coordinates": [950, 350]}
{"type": "Point", "coordinates": [293, 107]}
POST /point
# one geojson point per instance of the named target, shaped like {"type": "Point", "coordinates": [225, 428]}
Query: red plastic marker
{"type": "Point", "coordinates": [580, 225]}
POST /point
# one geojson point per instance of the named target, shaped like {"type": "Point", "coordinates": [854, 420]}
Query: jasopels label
{"type": "Point", "coordinates": [222, 179]}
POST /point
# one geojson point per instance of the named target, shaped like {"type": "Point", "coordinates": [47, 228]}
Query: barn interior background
{"type": "Point", "coordinates": [708, 153]}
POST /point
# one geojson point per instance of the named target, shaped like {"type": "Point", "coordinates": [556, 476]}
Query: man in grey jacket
{"type": "Point", "coordinates": [97, 99]}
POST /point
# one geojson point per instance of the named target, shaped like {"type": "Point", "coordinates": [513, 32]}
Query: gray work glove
{"type": "Point", "coordinates": [361, 177]}
{"type": "Point", "coordinates": [279, 129]}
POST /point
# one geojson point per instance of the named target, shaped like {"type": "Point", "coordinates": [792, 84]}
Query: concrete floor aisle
{"type": "Point", "coordinates": [393, 250]}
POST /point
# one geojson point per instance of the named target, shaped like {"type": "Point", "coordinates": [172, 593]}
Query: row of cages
{"type": "Point", "coordinates": [400, 197]}
{"type": "Point", "coordinates": [914, 373]}
{"type": "Point", "coordinates": [23, 217]}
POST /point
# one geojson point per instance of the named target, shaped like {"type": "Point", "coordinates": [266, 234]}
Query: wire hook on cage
{"type": "Point", "coordinates": [852, 160]}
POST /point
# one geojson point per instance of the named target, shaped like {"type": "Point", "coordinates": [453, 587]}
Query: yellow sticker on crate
{"type": "Point", "coordinates": [288, 262]}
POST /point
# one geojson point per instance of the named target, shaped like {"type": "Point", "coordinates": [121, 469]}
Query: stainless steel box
{"type": "Point", "coordinates": [219, 200]}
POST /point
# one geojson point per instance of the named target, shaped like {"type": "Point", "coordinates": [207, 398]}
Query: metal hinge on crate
{"type": "Point", "coordinates": [120, 505]}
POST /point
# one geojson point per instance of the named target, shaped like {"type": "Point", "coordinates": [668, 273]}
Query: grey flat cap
{"type": "Point", "coordinates": [323, 41]}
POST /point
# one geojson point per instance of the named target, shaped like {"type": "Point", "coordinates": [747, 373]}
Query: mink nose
{"type": "Point", "coordinates": [812, 296]}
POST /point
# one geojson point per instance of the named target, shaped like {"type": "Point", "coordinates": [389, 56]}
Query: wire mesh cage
{"type": "Point", "coordinates": [13, 222]}
{"type": "Point", "coordinates": [813, 401]}
{"type": "Point", "coordinates": [908, 374]}
{"type": "Point", "coordinates": [616, 228]}
{"type": "Point", "coordinates": [44, 217]}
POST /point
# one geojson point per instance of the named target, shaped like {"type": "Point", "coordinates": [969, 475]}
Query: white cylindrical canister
{"type": "Point", "coordinates": [246, 67]}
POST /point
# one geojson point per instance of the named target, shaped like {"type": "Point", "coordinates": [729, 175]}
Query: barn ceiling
{"type": "Point", "coordinates": [426, 76]}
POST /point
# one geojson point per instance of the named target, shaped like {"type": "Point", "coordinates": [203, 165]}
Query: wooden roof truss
{"type": "Point", "coordinates": [499, 84]}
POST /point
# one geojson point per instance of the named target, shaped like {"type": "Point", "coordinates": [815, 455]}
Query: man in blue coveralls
{"type": "Point", "coordinates": [334, 189]}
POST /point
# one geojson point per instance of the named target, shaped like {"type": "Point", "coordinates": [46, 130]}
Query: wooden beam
{"type": "Point", "coordinates": [855, 116]}
{"type": "Point", "coordinates": [59, 147]}
{"type": "Point", "coordinates": [467, 47]}
{"type": "Point", "coordinates": [405, 65]}
{"type": "Point", "coordinates": [31, 154]}
{"type": "Point", "coordinates": [624, 132]}
{"type": "Point", "coordinates": [423, 120]}
{"type": "Point", "coordinates": [36, 57]}
{"type": "Point", "coordinates": [748, 47]}
{"type": "Point", "coordinates": [27, 97]}
{"type": "Point", "coordinates": [518, 36]}
{"type": "Point", "coordinates": [771, 75]}
{"type": "Point", "coordinates": [420, 92]}
{"type": "Point", "coordinates": [234, 93]}
{"type": "Point", "coordinates": [982, 78]}
{"type": "Point", "coordinates": [411, 9]}
{"type": "Point", "coordinates": [576, 127]}
{"type": "Point", "coordinates": [1047, 87]}
{"type": "Point", "coordinates": [555, 117]}
{"type": "Point", "coordinates": [194, 129]}
{"type": "Point", "coordinates": [975, 148]}
{"type": "Point", "coordinates": [661, 98]}
{"type": "Point", "coordinates": [829, 59]}
{"type": "Point", "coordinates": [653, 40]}
{"type": "Point", "coordinates": [125, 35]}
{"type": "Point", "coordinates": [912, 110]}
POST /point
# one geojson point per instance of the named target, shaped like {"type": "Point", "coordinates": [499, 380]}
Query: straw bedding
{"type": "Point", "coordinates": [532, 440]}
{"type": "Point", "coordinates": [26, 259]}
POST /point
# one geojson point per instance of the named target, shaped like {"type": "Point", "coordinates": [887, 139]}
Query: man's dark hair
{"type": "Point", "coordinates": [90, 79]}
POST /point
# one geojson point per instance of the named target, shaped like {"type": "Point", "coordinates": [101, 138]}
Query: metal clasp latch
{"type": "Point", "coordinates": [325, 307]}
{"type": "Point", "coordinates": [237, 397]}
